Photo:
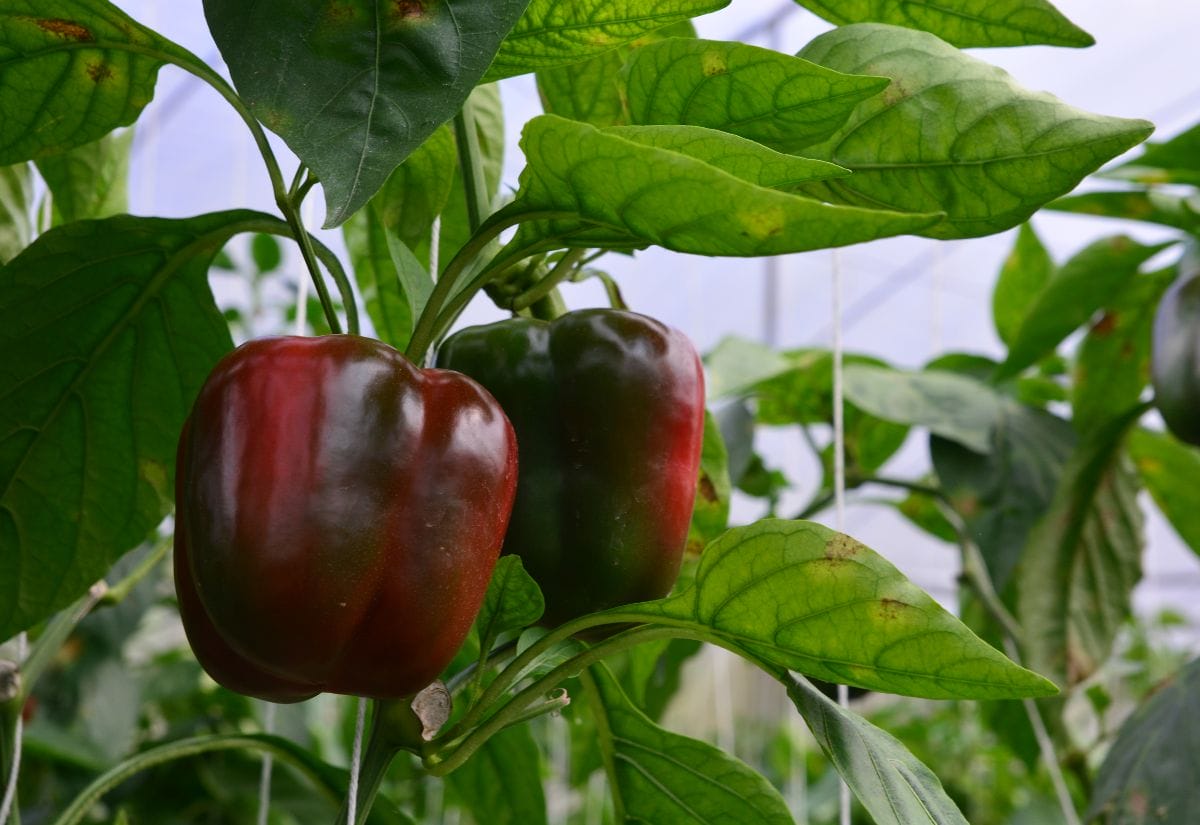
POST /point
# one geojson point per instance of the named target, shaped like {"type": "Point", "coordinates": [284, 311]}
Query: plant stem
{"type": "Point", "coordinates": [600, 716]}
{"type": "Point", "coordinates": [513, 712]}
{"type": "Point", "coordinates": [280, 749]}
{"type": "Point", "coordinates": [44, 649]}
{"type": "Point", "coordinates": [562, 270]}
{"type": "Point", "coordinates": [380, 752]}
{"type": "Point", "coordinates": [471, 165]}
{"type": "Point", "coordinates": [118, 592]}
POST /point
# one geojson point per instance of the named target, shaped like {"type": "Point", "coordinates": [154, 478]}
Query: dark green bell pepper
{"type": "Point", "coordinates": [608, 407]}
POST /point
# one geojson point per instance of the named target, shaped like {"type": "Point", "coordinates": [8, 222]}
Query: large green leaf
{"type": "Point", "coordinates": [801, 596]}
{"type": "Point", "coordinates": [90, 180]}
{"type": "Point", "coordinates": [1170, 470]}
{"type": "Point", "coordinates": [605, 190]}
{"type": "Point", "coordinates": [893, 785]}
{"type": "Point", "coordinates": [952, 406]}
{"type": "Point", "coordinates": [1112, 365]}
{"type": "Point", "coordinates": [594, 91]}
{"type": "Point", "coordinates": [955, 134]}
{"type": "Point", "coordinates": [16, 202]}
{"type": "Point", "coordinates": [1003, 494]}
{"type": "Point", "coordinates": [965, 23]}
{"type": "Point", "coordinates": [513, 601]}
{"type": "Point", "coordinates": [396, 221]}
{"type": "Point", "coordinates": [1149, 775]}
{"type": "Point", "coordinates": [1083, 558]}
{"type": "Point", "coordinates": [783, 102]}
{"type": "Point", "coordinates": [108, 329]}
{"type": "Point", "coordinates": [659, 776]}
{"type": "Point", "coordinates": [501, 784]}
{"type": "Point", "coordinates": [1026, 271]}
{"type": "Point", "coordinates": [1151, 206]}
{"type": "Point", "coordinates": [552, 33]}
{"type": "Point", "coordinates": [1084, 284]}
{"type": "Point", "coordinates": [741, 157]}
{"type": "Point", "coordinates": [736, 365]}
{"type": "Point", "coordinates": [354, 87]}
{"type": "Point", "coordinates": [70, 72]}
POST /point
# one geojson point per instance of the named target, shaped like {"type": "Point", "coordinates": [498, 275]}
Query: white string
{"type": "Point", "coordinates": [268, 762]}
{"type": "Point", "coordinates": [435, 240]}
{"type": "Point", "coordinates": [10, 789]}
{"type": "Point", "coordinates": [356, 763]}
{"type": "Point", "coordinates": [839, 474]}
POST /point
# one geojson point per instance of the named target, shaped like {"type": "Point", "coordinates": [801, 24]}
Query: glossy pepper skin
{"type": "Point", "coordinates": [1175, 361]}
{"type": "Point", "coordinates": [338, 516]}
{"type": "Point", "coordinates": [608, 407]}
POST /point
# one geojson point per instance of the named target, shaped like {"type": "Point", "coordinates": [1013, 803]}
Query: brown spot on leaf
{"type": "Point", "coordinates": [407, 9]}
{"type": "Point", "coordinates": [707, 491]}
{"type": "Point", "coordinates": [890, 609]}
{"type": "Point", "coordinates": [1106, 324]}
{"type": "Point", "coordinates": [68, 29]}
{"type": "Point", "coordinates": [99, 72]}
{"type": "Point", "coordinates": [841, 547]}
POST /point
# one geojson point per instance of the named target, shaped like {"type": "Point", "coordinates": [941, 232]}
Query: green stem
{"type": "Point", "coordinates": [376, 759]}
{"type": "Point", "coordinates": [118, 592]}
{"type": "Point", "coordinates": [47, 645]}
{"type": "Point", "coordinates": [562, 270]}
{"type": "Point", "coordinates": [505, 678]}
{"type": "Point", "coordinates": [515, 709]}
{"type": "Point", "coordinates": [10, 712]}
{"type": "Point", "coordinates": [279, 748]}
{"type": "Point", "coordinates": [424, 332]}
{"type": "Point", "coordinates": [605, 735]}
{"type": "Point", "coordinates": [615, 299]}
{"type": "Point", "coordinates": [291, 214]}
{"type": "Point", "coordinates": [470, 163]}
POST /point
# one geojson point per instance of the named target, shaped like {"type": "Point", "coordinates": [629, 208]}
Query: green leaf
{"type": "Point", "coordinates": [1174, 161]}
{"type": "Point", "coordinates": [266, 253]}
{"type": "Point", "coordinates": [1149, 774]}
{"type": "Point", "coordinates": [553, 33]}
{"type": "Point", "coordinates": [1026, 271]}
{"type": "Point", "coordinates": [109, 329]}
{"type": "Point", "coordinates": [513, 601]}
{"type": "Point", "coordinates": [740, 157]}
{"type": "Point", "coordinates": [69, 74]}
{"type": "Point", "coordinates": [1083, 558]}
{"type": "Point", "coordinates": [952, 406]}
{"type": "Point", "coordinates": [801, 596]}
{"type": "Point", "coordinates": [1178, 211]}
{"type": "Point", "coordinates": [1002, 495]}
{"type": "Point", "coordinates": [710, 515]}
{"type": "Point", "coordinates": [1112, 365]}
{"type": "Point", "coordinates": [89, 181]}
{"type": "Point", "coordinates": [355, 87]}
{"type": "Point", "coordinates": [501, 783]}
{"type": "Point", "coordinates": [455, 228]}
{"type": "Point", "coordinates": [655, 673]}
{"type": "Point", "coordinates": [956, 135]}
{"type": "Point", "coordinates": [893, 785]}
{"type": "Point", "coordinates": [604, 190]}
{"type": "Point", "coordinates": [659, 776]}
{"type": "Point", "coordinates": [922, 511]}
{"type": "Point", "coordinates": [1169, 469]}
{"type": "Point", "coordinates": [964, 23]}
{"type": "Point", "coordinates": [594, 91]}
{"type": "Point", "coordinates": [16, 202]}
{"type": "Point", "coordinates": [737, 365]}
{"type": "Point", "coordinates": [778, 100]}
{"type": "Point", "coordinates": [1082, 285]}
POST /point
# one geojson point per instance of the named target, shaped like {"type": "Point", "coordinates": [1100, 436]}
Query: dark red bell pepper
{"type": "Point", "coordinates": [608, 407]}
{"type": "Point", "coordinates": [338, 516]}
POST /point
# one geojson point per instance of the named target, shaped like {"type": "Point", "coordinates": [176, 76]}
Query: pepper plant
{"type": "Point", "coordinates": [651, 136]}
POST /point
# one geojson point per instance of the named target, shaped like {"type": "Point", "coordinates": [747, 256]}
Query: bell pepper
{"type": "Point", "coordinates": [1175, 356]}
{"type": "Point", "coordinates": [338, 516]}
{"type": "Point", "coordinates": [608, 407]}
